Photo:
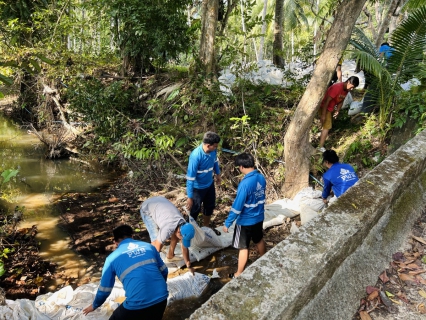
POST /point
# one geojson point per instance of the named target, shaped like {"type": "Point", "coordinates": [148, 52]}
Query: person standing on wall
{"type": "Point", "coordinates": [331, 104]}
{"type": "Point", "coordinates": [200, 188]}
{"type": "Point", "coordinates": [248, 210]}
{"type": "Point", "coordinates": [138, 266]}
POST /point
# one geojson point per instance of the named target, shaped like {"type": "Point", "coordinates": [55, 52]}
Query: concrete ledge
{"type": "Point", "coordinates": [321, 272]}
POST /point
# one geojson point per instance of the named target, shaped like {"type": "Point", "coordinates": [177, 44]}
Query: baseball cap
{"type": "Point", "coordinates": [187, 231]}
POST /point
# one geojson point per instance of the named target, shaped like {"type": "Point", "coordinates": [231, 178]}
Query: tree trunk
{"type": "Point", "coordinates": [278, 34]}
{"type": "Point", "coordinates": [396, 17]}
{"type": "Point", "coordinates": [297, 150]}
{"type": "Point", "coordinates": [224, 21]}
{"type": "Point", "coordinates": [370, 22]}
{"type": "Point", "coordinates": [386, 21]}
{"type": "Point", "coordinates": [208, 32]}
{"type": "Point", "coordinates": [262, 37]}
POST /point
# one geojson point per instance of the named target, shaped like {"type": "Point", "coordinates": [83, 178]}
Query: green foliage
{"type": "Point", "coordinates": [413, 106]}
{"type": "Point", "coordinates": [9, 174]}
{"type": "Point", "coordinates": [104, 106]}
{"type": "Point", "coordinates": [361, 147]}
{"type": "Point", "coordinates": [406, 62]}
{"type": "Point", "coordinates": [156, 30]}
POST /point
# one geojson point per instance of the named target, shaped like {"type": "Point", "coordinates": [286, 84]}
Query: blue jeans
{"type": "Point", "coordinates": [150, 225]}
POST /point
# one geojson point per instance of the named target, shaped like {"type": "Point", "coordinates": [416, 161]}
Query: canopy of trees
{"type": "Point", "coordinates": [93, 62]}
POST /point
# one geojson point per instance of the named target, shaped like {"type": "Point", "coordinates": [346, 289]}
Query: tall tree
{"type": "Point", "coordinates": [297, 150]}
{"type": "Point", "coordinates": [278, 34]}
{"type": "Point", "coordinates": [152, 32]}
{"type": "Point", "coordinates": [208, 34]}
{"type": "Point", "coordinates": [390, 12]}
{"type": "Point", "coordinates": [262, 38]}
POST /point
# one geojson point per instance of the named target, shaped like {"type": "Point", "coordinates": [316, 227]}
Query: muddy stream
{"type": "Point", "coordinates": [41, 182]}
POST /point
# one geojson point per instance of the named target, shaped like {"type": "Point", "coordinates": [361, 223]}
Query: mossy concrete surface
{"type": "Point", "coordinates": [321, 271]}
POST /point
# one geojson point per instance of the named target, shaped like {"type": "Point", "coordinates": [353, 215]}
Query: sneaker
{"type": "Point", "coordinates": [321, 149]}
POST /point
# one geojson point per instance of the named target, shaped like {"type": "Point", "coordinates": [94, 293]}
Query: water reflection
{"type": "Point", "coordinates": [39, 183]}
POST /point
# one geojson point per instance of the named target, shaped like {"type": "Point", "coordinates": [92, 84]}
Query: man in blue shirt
{"type": "Point", "coordinates": [200, 189]}
{"type": "Point", "coordinates": [339, 176]}
{"type": "Point", "coordinates": [249, 211]}
{"type": "Point", "coordinates": [386, 51]}
{"type": "Point", "coordinates": [139, 267]}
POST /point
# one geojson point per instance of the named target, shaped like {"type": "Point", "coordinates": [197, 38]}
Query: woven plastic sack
{"type": "Point", "coordinates": [186, 286]}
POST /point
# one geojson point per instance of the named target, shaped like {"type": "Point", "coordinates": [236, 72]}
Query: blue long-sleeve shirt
{"type": "Point", "coordinates": [200, 170]}
{"type": "Point", "coordinates": [139, 267]}
{"type": "Point", "coordinates": [249, 205]}
{"type": "Point", "coordinates": [340, 177]}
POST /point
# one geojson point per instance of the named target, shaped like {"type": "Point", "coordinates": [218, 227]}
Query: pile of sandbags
{"type": "Point", "coordinates": [68, 304]}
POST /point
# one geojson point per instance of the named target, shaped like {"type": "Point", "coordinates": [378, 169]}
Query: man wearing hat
{"type": "Point", "coordinates": [164, 221]}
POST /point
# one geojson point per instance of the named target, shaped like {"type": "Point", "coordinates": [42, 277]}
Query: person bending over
{"type": "Point", "coordinates": [339, 176]}
{"type": "Point", "coordinates": [164, 221]}
{"type": "Point", "coordinates": [143, 274]}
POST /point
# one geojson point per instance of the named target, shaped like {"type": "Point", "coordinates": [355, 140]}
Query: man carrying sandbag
{"type": "Point", "coordinates": [164, 221]}
{"type": "Point", "coordinates": [139, 267]}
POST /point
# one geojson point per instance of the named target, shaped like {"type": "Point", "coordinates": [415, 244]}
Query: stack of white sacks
{"type": "Point", "coordinates": [68, 304]}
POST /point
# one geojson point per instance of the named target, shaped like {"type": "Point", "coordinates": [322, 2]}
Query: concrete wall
{"type": "Point", "coordinates": [322, 271]}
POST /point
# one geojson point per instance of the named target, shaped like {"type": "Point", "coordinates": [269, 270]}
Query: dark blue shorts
{"type": "Point", "coordinates": [207, 197]}
{"type": "Point", "coordinates": [243, 235]}
{"type": "Point", "coordinates": [154, 312]}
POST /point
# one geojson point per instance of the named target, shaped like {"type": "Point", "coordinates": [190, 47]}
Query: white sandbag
{"type": "Point", "coordinates": [6, 312]}
{"type": "Point", "coordinates": [294, 229]}
{"type": "Point", "coordinates": [48, 306]}
{"type": "Point", "coordinates": [186, 286]}
{"type": "Point", "coordinates": [332, 200]}
{"type": "Point", "coordinates": [63, 296]}
{"type": "Point", "coordinates": [211, 239]}
{"type": "Point", "coordinates": [274, 222]}
{"type": "Point", "coordinates": [25, 309]}
{"type": "Point", "coordinates": [199, 237]}
{"type": "Point", "coordinates": [307, 214]}
{"type": "Point", "coordinates": [348, 100]}
{"type": "Point", "coordinates": [286, 207]}
{"type": "Point", "coordinates": [355, 107]}
{"type": "Point", "coordinates": [314, 204]}
{"type": "Point", "coordinates": [306, 193]}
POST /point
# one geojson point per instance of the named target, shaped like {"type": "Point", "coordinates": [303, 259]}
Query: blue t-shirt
{"type": "Point", "coordinates": [249, 205]}
{"type": "Point", "coordinates": [200, 170]}
{"type": "Point", "coordinates": [340, 177]}
{"type": "Point", "coordinates": [139, 267]}
{"type": "Point", "coordinates": [386, 50]}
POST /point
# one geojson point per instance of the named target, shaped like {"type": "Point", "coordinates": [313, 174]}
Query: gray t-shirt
{"type": "Point", "coordinates": [164, 213]}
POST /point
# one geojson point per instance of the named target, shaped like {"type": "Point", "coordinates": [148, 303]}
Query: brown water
{"type": "Point", "coordinates": [40, 181]}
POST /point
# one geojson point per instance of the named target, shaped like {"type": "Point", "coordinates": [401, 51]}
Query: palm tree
{"type": "Point", "coordinates": [406, 62]}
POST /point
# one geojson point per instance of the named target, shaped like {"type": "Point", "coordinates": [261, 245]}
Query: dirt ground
{"type": "Point", "coordinates": [90, 217]}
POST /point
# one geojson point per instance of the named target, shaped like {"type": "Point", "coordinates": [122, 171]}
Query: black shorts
{"type": "Point", "coordinates": [154, 312]}
{"type": "Point", "coordinates": [207, 197]}
{"type": "Point", "coordinates": [243, 235]}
